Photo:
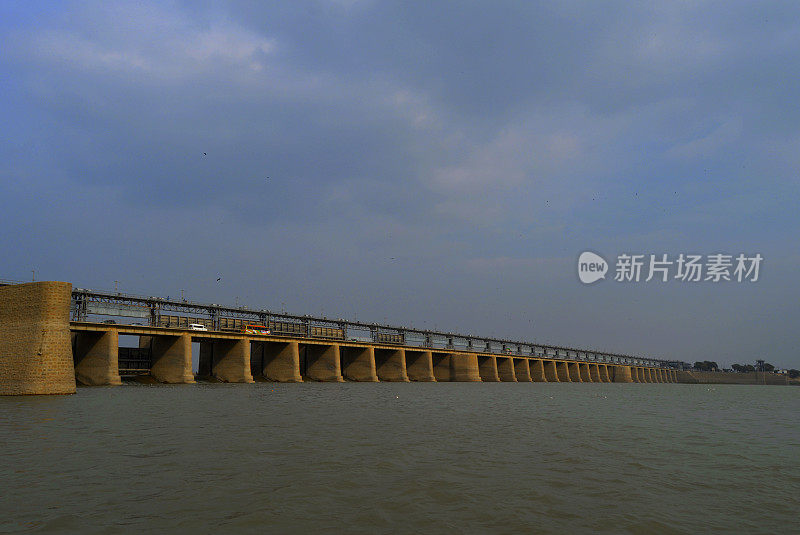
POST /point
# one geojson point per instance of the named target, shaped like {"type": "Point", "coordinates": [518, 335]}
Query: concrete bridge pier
{"type": "Point", "coordinates": [551, 371]}
{"type": "Point", "coordinates": [505, 369]}
{"type": "Point", "coordinates": [464, 368]}
{"type": "Point", "coordinates": [634, 374]}
{"type": "Point", "coordinates": [358, 364]}
{"type": "Point", "coordinates": [563, 371]}
{"type": "Point", "coordinates": [622, 374]}
{"type": "Point", "coordinates": [227, 360]}
{"type": "Point", "coordinates": [323, 363]}
{"type": "Point", "coordinates": [419, 366]}
{"type": "Point", "coordinates": [96, 357]}
{"type": "Point", "coordinates": [390, 365]}
{"type": "Point", "coordinates": [602, 369]}
{"type": "Point", "coordinates": [583, 368]}
{"type": "Point", "coordinates": [594, 373]}
{"type": "Point", "coordinates": [574, 372]}
{"type": "Point", "coordinates": [522, 370]}
{"type": "Point", "coordinates": [278, 361]}
{"type": "Point", "coordinates": [487, 366]}
{"type": "Point", "coordinates": [537, 371]}
{"type": "Point", "coordinates": [441, 366]}
{"type": "Point", "coordinates": [171, 359]}
{"type": "Point", "coordinates": [641, 375]}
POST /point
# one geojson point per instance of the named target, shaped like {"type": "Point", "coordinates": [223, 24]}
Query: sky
{"type": "Point", "coordinates": [432, 164]}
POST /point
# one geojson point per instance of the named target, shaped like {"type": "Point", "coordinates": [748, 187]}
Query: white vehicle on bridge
{"type": "Point", "coordinates": [197, 327]}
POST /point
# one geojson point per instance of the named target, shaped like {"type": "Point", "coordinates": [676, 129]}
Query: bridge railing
{"type": "Point", "coordinates": [151, 309]}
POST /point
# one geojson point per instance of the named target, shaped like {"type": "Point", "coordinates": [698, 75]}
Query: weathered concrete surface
{"type": "Point", "coordinates": [622, 374]}
{"type": "Point", "coordinates": [537, 371]}
{"type": "Point", "coordinates": [603, 371]}
{"type": "Point", "coordinates": [390, 365]}
{"type": "Point", "coordinates": [231, 361]}
{"type": "Point", "coordinates": [640, 375]}
{"type": "Point", "coordinates": [505, 369]}
{"type": "Point", "coordinates": [419, 366]}
{"type": "Point", "coordinates": [522, 370]}
{"type": "Point", "coordinates": [574, 372]}
{"type": "Point", "coordinates": [172, 359]}
{"type": "Point", "coordinates": [563, 372]}
{"type": "Point", "coordinates": [583, 368]}
{"type": "Point", "coordinates": [441, 366]}
{"type": "Point", "coordinates": [323, 363]}
{"type": "Point", "coordinates": [280, 362]}
{"type": "Point", "coordinates": [594, 373]}
{"type": "Point", "coordinates": [358, 364]}
{"type": "Point", "coordinates": [35, 344]}
{"type": "Point", "coordinates": [464, 367]}
{"type": "Point", "coordinates": [551, 371]}
{"type": "Point", "coordinates": [634, 374]}
{"type": "Point", "coordinates": [487, 366]}
{"type": "Point", "coordinates": [96, 358]}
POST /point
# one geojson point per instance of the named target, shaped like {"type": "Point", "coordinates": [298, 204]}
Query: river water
{"type": "Point", "coordinates": [403, 458]}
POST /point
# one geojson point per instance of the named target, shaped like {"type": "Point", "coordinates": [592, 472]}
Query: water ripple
{"type": "Point", "coordinates": [389, 458]}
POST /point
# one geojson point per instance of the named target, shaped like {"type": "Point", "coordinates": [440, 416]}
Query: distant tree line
{"type": "Point", "coordinates": [767, 367]}
{"type": "Point", "coordinates": [711, 366]}
{"type": "Point", "coordinates": [706, 366]}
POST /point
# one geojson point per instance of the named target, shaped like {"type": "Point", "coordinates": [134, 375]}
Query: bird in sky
{"type": "Point", "coordinates": [205, 154]}
{"type": "Point", "coordinates": [218, 278]}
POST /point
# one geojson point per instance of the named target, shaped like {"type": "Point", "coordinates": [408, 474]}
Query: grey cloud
{"type": "Point", "coordinates": [449, 158]}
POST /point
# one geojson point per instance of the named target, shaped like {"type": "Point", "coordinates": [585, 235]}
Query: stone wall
{"type": "Point", "coordinates": [35, 345]}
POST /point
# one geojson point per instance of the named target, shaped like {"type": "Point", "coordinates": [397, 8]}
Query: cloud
{"type": "Point", "coordinates": [135, 40]}
{"type": "Point", "coordinates": [722, 136]}
{"type": "Point", "coordinates": [446, 156]}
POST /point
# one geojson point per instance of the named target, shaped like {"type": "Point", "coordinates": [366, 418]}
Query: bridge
{"type": "Point", "coordinates": [285, 347]}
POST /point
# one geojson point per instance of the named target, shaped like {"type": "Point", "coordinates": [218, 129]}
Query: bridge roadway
{"type": "Point", "coordinates": [238, 357]}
